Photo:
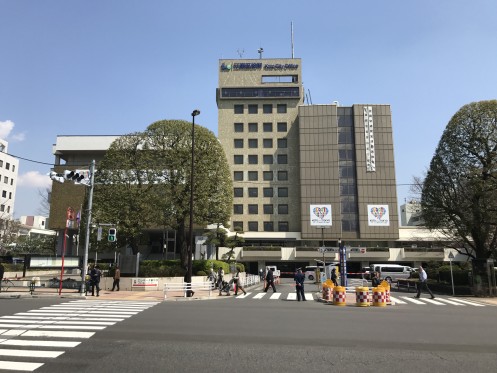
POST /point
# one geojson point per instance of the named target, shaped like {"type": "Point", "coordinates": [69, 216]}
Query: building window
{"type": "Point", "coordinates": [268, 226]}
{"type": "Point", "coordinates": [238, 143]}
{"type": "Point", "coordinates": [267, 127]}
{"type": "Point", "coordinates": [252, 176]}
{"type": "Point", "coordinates": [253, 143]}
{"type": "Point", "coordinates": [8, 209]}
{"type": "Point", "coordinates": [238, 109]}
{"type": "Point", "coordinates": [238, 175]}
{"type": "Point", "coordinates": [268, 209]}
{"type": "Point", "coordinates": [238, 225]}
{"type": "Point", "coordinates": [283, 226]}
{"type": "Point", "coordinates": [1, 163]}
{"type": "Point", "coordinates": [252, 159]}
{"type": "Point", "coordinates": [267, 143]}
{"type": "Point", "coordinates": [238, 127]}
{"type": "Point", "coordinates": [282, 143]}
{"type": "Point", "coordinates": [2, 208]}
{"type": "Point", "coordinates": [11, 181]}
{"type": "Point", "coordinates": [282, 175]}
{"type": "Point", "coordinates": [238, 209]}
{"type": "Point", "coordinates": [282, 192]}
{"type": "Point", "coordinates": [253, 226]}
{"type": "Point", "coordinates": [282, 159]}
{"type": "Point", "coordinates": [13, 168]}
{"type": "Point", "coordinates": [267, 108]}
{"type": "Point", "coordinates": [281, 108]}
{"type": "Point", "coordinates": [5, 179]}
{"type": "Point", "coordinates": [252, 127]}
{"type": "Point", "coordinates": [238, 159]}
{"type": "Point", "coordinates": [282, 126]}
{"type": "Point", "coordinates": [10, 195]}
{"type": "Point", "coordinates": [253, 192]}
{"type": "Point", "coordinates": [4, 194]}
{"type": "Point", "coordinates": [237, 192]}
{"type": "Point", "coordinates": [267, 159]}
{"type": "Point", "coordinates": [7, 166]}
{"type": "Point", "coordinates": [252, 109]}
{"type": "Point", "coordinates": [267, 175]}
{"type": "Point", "coordinates": [268, 192]}
{"type": "Point", "coordinates": [253, 209]}
{"type": "Point", "coordinates": [283, 209]}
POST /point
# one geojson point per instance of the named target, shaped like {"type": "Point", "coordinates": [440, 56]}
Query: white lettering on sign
{"type": "Point", "coordinates": [144, 282]}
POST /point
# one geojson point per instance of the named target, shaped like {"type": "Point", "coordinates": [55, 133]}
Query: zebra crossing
{"type": "Point", "coordinates": [396, 300]}
{"type": "Point", "coordinates": [29, 339]}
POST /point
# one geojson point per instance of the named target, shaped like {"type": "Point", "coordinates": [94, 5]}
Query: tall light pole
{"type": "Point", "coordinates": [189, 251]}
{"type": "Point", "coordinates": [88, 225]}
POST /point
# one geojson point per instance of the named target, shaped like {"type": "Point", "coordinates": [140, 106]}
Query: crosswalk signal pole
{"type": "Point", "coordinates": [88, 225]}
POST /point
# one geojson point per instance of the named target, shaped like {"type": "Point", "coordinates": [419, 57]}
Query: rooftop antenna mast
{"type": "Point", "coordinates": [291, 30]}
{"type": "Point", "coordinates": [240, 52]}
{"type": "Point", "coordinates": [260, 50]}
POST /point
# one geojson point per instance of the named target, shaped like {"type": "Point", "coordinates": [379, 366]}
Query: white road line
{"type": "Point", "coordinates": [73, 327]}
{"type": "Point", "coordinates": [58, 319]}
{"type": "Point", "coordinates": [413, 300]}
{"type": "Point", "coordinates": [243, 295]}
{"type": "Point", "coordinates": [57, 334]}
{"type": "Point", "coordinates": [434, 302]}
{"type": "Point", "coordinates": [467, 302]}
{"type": "Point", "coordinates": [308, 296]}
{"type": "Point", "coordinates": [20, 366]}
{"type": "Point", "coordinates": [396, 300]}
{"type": "Point", "coordinates": [33, 343]}
{"type": "Point", "coordinates": [291, 296]}
{"type": "Point", "coordinates": [259, 296]}
{"type": "Point", "coordinates": [450, 302]}
{"type": "Point", "coordinates": [30, 353]}
{"type": "Point", "coordinates": [86, 312]}
{"type": "Point", "coordinates": [275, 296]}
{"type": "Point", "coordinates": [78, 314]}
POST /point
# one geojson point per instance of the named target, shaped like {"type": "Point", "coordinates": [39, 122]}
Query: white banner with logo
{"type": "Point", "coordinates": [378, 216]}
{"type": "Point", "coordinates": [321, 215]}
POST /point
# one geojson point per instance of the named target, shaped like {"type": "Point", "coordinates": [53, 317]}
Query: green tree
{"type": "Point", "coordinates": [217, 237]}
{"type": "Point", "coordinates": [459, 193]}
{"type": "Point", "coordinates": [144, 182]}
{"type": "Point", "coordinates": [233, 241]}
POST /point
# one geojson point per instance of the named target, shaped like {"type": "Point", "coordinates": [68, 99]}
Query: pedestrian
{"type": "Point", "coordinates": [220, 279]}
{"type": "Point", "coordinates": [299, 284]}
{"type": "Point", "coordinates": [95, 275]}
{"type": "Point", "coordinates": [423, 278]}
{"type": "Point", "coordinates": [117, 278]}
{"type": "Point", "coordinates": [238, 282]}
{"type": "Point", "coordinates": [375, 281]}
{"type": "Point", "coordinates": [270, 280]}
{"type": "Point", "coordinates": [2, 271]}
{"type": "Point", "coordinates": [334, 276]}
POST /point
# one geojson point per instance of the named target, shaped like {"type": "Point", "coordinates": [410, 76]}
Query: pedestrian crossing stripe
{"type": "Point", "coordinates": [58, 327]}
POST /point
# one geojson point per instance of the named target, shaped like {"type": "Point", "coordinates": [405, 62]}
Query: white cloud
{"type": "Point", "coordinates": [5, 128]}
{"type": "Point", "coordinates": [35, 180]}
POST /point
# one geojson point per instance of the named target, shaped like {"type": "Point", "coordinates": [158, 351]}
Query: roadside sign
{"type": "Point", "coordinates": [324, 249]}
{"type": "Point", "coordinates": [451, 256]}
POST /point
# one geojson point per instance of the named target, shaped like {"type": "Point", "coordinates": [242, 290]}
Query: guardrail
{"type": "Point", "coordinates": [184, 287]}
{"type": "Point", "coordinates": [251, 280]}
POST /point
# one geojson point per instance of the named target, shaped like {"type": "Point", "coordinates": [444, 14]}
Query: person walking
{"type": "Point", "coordinates": [299, 284]}
{"type": "Point", "coordinates": [238, 283]}
{"type": "Point", "coordinates": [220, 279]}
{"type": "Point", "coordinates": [2, 271]}
{"type": "Point", "coordinates": [270, 280]}
{"type": "Point", "coordinates": [375, 281]}
{"type": "Point", "coordinates": [423, 278]}
{"type": "Point", "coordinates": [95, 275]}
{"type": "Point", "coordinates": [117, 278]}
{"type": "Point", "coordinates": [334, 276]}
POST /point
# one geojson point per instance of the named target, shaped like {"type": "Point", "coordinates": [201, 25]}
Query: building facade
{"type": "Point", "coordinates": [9, 168]}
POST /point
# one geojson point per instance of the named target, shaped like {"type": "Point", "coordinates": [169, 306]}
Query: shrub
{"type": "Point", "coordinates": [201, 273]}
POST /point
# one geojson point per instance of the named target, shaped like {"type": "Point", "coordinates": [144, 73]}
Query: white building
{"type": "Point", "coordinates": [8, 181]}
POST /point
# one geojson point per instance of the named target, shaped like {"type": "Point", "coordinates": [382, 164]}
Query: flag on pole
{"type": "Point", "coordinates": [78, 217]}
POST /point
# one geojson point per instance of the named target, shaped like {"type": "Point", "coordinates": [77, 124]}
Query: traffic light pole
{"type": "Point", "coordinates": [88, 226]}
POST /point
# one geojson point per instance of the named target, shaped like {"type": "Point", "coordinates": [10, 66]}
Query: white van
{"type": "Point", "coordinates": [392, 272]}
{"type": "Point", "coordinates": [310, 271]}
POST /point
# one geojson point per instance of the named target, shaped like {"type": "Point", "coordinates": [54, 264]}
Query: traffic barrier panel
{"type": "Point", "coordinates": [386, 285]}
{"type": "Point", "coordinates": [379, 297]}
{"type": "Point", "coordinates": [339, 296]}
{"type": "Point", "coordinates": [362, 296]}
{"type": "Point", "coordinates": [327, 290]}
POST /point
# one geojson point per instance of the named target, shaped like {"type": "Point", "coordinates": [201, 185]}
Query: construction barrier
{"type": "Point", "coordinates": [362, 296]}
{"type": "Point", "coordinates": [386, 285]}
{"type": "Point", "coordinates": [339, 295]}
{"type": "Point", "coordinates": [379, 297]}
{"type": "Point", "coordinates": [327, 290]}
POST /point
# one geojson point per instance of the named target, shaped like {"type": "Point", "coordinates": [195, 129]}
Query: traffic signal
{"type": "Point", "coordinates": [56, 177]}
{"type": "Point", "coordinates": [74, 176]}
{"type": "Point", "coordinates": [112, 237]}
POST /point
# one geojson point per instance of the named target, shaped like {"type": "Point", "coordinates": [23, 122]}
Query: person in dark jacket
{"type": "Point", "coordinates": [95, 275]}
{"type": "Point", "coordinates": [334, 276]}
{"type": "Point", "coordinates": [375, 281]}
{"type": "Point", "coordinates": [299, 284]}
{"type": "Point", "coordinates": [2, 271]}
{"type": "Point", "coordinates": [270, 280]}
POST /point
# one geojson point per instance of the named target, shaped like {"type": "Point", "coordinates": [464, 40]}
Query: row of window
{"type": "Point", "coordinates": [254, 108]}
{"type": "Point", "coordinates": [254, 192]}
{"type": "Point", "coordinates": [254, 175]}
{"type": "Point", "coordinates": [266, 209]}
{"type": "Point", "coordinates": [266, 127]}
{"type": "Point", "coordinates": [3, 209]}
{"type": "Point", "coordinates": [6, 180]}
{"type": "Point", "coordinates": [266, 143]}
{"type": "Point", "coordinates": [268, 226]}
{"type": "Point", "coordinates": [4, 194]}
{"type": "Point", "coordinates": [7, 166]}
{"type": "Point", "coordinates": [266, 159]}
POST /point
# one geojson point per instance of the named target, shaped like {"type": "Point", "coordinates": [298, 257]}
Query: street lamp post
{"type": "Point", "coordinates": [88, 225]}
{"type": "Point", "coordinates": [190, 244]}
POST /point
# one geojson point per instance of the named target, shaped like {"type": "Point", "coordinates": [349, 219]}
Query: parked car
{"type": "Point", "coordinates": [391, 272]}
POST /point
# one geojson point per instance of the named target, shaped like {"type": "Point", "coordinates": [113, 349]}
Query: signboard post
{"type": "Point", "coordinates": [451, 256]}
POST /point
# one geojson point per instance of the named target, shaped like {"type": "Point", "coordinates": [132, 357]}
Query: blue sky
{"type": "Point", "coordinates": [112, 67]}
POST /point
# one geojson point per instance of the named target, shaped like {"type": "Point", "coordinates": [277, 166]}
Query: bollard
{"type": "Point", "coordinates": [379, 298]}
{"type": "Point", "coordinates": [386, 285]}
{"type": "Point", "coordinates": [362, 296]}
{"type": "Point", "coordinates": [339, 296]}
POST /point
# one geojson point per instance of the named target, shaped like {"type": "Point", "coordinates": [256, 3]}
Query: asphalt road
{"type": "Point", "coordinates": [248, 335]}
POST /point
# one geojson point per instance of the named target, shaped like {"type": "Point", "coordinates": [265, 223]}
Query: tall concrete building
{"type": "Point", "coordinates": [9, 168]}
{"type": "Point", "coordinates": [288, 158]}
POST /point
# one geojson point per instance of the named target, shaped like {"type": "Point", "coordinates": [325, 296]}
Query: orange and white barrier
{"type": "Point", "coordinates": [362, 296]}
{"type": "Point", "coordinates": [379, 297]}
{"type": "Point", "coordinates": [339, 296]}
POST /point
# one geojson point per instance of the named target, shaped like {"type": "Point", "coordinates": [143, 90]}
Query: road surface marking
{"type": "Point", "coordinates": [275, 296]}
{"type": "Point", "coordinates": [33, 343]}
{"type": "Point", "coordinates": [467, 302]}
{"type": "Point", "coordinates": [259, 295]}
{"type": "Point", "coordinates": [434, 302]}
{"type": "Point", "coordinates": [30, 353]}
{"type": "Point", "coordinates": [413, 300]}
{"type": "Point", "coordinates": [243, 296]}
{"type": "Point", "coordinates": [450, 302]}
{"type": "Point", "coordinates": [396, 300]}
{"type": "Point", "coordinates": [17, 365]}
